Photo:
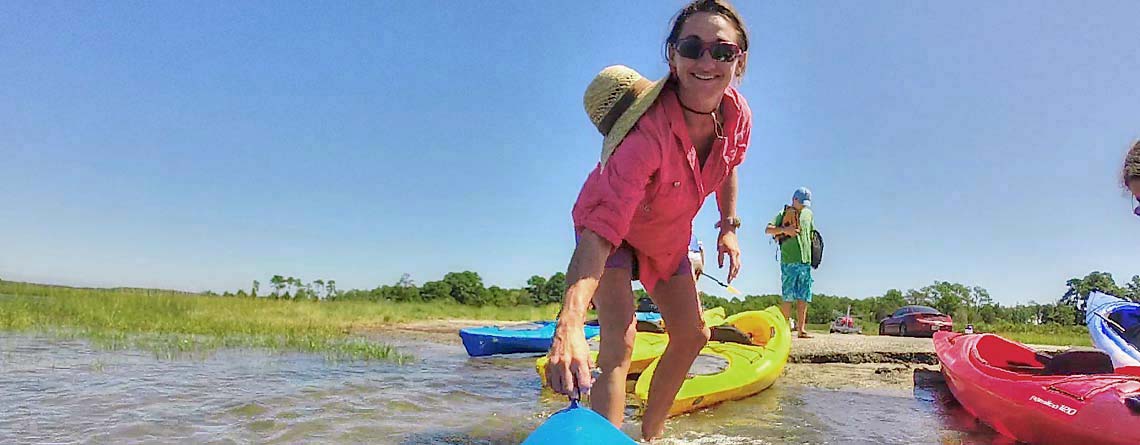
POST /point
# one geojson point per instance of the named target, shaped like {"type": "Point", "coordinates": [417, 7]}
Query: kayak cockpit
{"type": "Point", "coordinates": [996, 352]}
{"type": "Point", "coordinates": [1128, 319]}
{"type": "Point", "coordinates": [1006, 355]}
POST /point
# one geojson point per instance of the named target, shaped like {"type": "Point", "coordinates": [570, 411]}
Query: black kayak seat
{"type": "Point", "coordinates": [729, 334]}
{"type": "Point", "coordinates": [649, 326]}
{"type": "Point", "coordinates": [1076, 361]}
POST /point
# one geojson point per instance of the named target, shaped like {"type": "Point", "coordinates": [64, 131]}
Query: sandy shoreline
{"type": "Point", "coordinates": [832, 361]}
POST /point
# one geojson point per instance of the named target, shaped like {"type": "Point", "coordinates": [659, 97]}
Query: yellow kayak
{"type": "Point", "coordinates": [751, 368]}
{"type": "Point", "coordinates": [712, 317]}
{"type": "Point", "coordinates": [647, 346]}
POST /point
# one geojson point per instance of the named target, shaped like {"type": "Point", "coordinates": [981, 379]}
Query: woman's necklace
{"type": "Point", "coordinates": [718, 128]}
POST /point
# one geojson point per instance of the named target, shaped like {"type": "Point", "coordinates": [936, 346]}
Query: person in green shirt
{"type": "Point", "coordinates": [794, 235]}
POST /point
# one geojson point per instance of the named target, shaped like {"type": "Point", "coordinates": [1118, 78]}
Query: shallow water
{"type": "Point", "coordinates": [54, 391]}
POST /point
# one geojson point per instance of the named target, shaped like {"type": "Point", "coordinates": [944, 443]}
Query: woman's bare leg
{"type": "Point", "coordinates": [681, 309]}
{"type": "Point", "coordinates": [614, 303]}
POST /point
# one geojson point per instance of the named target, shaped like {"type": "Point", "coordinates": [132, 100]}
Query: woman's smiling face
{"type": "Point", "coordinates": [705, 77]}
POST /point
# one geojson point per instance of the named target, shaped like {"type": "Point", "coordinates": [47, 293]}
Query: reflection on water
{"type": "Point", "coordinates": [65, 391]}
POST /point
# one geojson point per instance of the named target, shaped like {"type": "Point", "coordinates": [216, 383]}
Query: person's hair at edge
{"type": "Point", "coordinates": [721, 7]}
{"type": "Point", "coordinates": [1131, 171]}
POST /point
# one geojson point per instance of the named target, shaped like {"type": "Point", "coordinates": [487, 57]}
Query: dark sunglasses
{"type": "Point", "coordinates": [1136, 211]}
{"type": "Point", "coordinates": [694, 48]}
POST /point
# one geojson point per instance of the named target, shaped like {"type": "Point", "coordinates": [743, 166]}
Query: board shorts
{"type": "Point", "coordinates": [797, 281]}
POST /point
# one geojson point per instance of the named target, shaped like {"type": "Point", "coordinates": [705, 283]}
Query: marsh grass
{"type": "Point", "coordinates": [172, 323]}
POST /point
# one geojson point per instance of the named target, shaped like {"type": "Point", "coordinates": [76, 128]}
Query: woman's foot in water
{"type": "Point", "coordinates": [650, 433]}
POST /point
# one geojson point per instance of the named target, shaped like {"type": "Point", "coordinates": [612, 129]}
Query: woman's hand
{"type": "Point", "coordinates": [727, 245]}
{"type": "Point", "coordinates": [568, 370]}
{"type": "Point", "coordinates": [791, 231]}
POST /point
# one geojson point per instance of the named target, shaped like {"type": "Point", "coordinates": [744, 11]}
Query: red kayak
{"type": "Point", "coordinates": [1070, 398]}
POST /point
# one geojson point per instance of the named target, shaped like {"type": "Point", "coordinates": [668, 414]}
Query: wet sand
{"type": "Point", "coordinates": [831, 361]}
{"type": "Point", "coordinates": [854, 361]}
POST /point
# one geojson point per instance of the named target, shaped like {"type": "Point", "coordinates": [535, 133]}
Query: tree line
{"type": "Point", "coordinates": [289, 288]}
{"type": "Point", "coordinates": [460, 287]}
{"type": "Point", "coordinates": [965, 303]}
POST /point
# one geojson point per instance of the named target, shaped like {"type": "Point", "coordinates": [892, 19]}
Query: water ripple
{"type": "Point", "coordinates": [55, 391]}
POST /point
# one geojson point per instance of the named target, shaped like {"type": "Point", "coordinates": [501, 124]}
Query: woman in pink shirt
{"type": "Point", "coordinates": [668, 145]}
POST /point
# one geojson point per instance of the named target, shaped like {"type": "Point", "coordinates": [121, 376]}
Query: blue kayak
{"type": "Point", "coordinates": [648, 316]}
{"type": "Point", "coordinates": [577, 426]}
{"type": "Point", "coordinates": [490, 340]}
{"type": "Point", "coordinates": [1114, 325]}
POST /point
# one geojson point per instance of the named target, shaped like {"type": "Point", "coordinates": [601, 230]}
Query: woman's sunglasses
{"type": "Point", "coordinates": [694, 48]}
{"type": "Point", "coordinates": [1136, 211]}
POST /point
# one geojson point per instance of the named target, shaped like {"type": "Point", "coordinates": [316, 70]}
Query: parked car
{"type": "Point", "coordinates": [916, 321]}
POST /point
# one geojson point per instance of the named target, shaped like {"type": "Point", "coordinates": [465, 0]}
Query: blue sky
{"type": "Point", "coordinates": [204, 145]}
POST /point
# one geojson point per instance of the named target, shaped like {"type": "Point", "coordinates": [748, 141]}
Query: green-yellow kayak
{"type": "Point", "coordinates": [751, 368]}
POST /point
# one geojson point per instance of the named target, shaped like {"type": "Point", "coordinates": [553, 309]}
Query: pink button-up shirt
{"type": "Point", "coordinates": [653, 185]}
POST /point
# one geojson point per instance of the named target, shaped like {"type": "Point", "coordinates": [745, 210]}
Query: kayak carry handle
{"type": "Point", "coordinates": [1133, 404]}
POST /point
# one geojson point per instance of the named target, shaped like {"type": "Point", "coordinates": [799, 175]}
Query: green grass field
{"type": "Point", "coordinates": [175, 323]}
{"type": "Point", "coordinates": [1046, 334]}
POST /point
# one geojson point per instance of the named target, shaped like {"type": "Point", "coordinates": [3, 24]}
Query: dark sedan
{"type": "Point", "coordinates": [915, 321]}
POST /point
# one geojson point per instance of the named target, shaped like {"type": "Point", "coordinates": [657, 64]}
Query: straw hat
{"type": "Point", "coordinates": [615, 100]}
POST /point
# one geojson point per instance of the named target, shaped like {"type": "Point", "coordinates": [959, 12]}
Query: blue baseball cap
{"type": "Point", "coordinates": [803, 195]}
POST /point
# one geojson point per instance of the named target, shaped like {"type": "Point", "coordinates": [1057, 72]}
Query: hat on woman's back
{"type": "Point", "coordinates": [615, 100]}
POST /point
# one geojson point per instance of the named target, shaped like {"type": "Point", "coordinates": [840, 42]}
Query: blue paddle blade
{"type": "Point", "coordinates": [576, 425]}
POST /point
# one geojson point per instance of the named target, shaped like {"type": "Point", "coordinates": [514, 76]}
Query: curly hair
{"type": "Point", "coordinates": [1131, 170]}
